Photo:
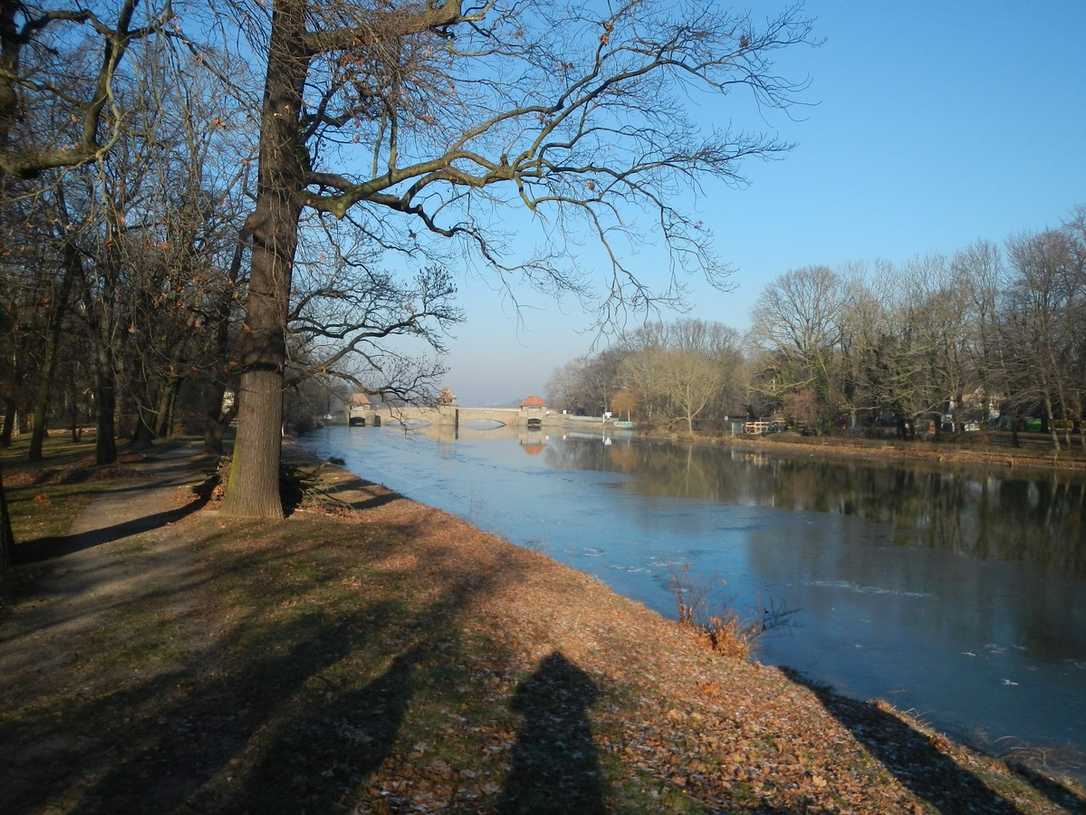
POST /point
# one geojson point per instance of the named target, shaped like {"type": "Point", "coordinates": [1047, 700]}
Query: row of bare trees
{"type": "Point", "coordinates": [246, 195]}
{"type": "Point", "coordinates": [991, 335]}
{"type": "Point", "coordinates": [989, 332]}
{"type": "Point", "coordinates": [665, 373]}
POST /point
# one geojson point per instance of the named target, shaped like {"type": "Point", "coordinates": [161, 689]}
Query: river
{"type": "Point", "coordinates": [958, 594]}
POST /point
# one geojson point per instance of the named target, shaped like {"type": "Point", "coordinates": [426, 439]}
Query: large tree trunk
{"type": "Point", "coordinates": [105, 405]}
{"type": "Point", "coordinates": [9, 422]}
{"type": "Point", "coordinates": [162, 412]}
{"type": "Point", "coordinates": [144, 435]}
{"type": "Point", "coordinates": [214, 426]}
{"type": "Point", "coordinates": [166, 399]}
{"type": "Point", "coordinates": [1051, 423]}
{"type": "Point", "coordinates": [217, 419]}
{"type": "Point", "coordinates": [52, 345]}
{"type": "Point", "coordinates": [73, 407]}
{"type": "Point", "coordinates": [7, 539]}
{"type": "Point", "coordinates": [253, 486]}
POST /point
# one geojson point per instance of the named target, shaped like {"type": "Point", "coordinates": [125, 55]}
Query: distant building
{"type": "Point", "coordinates": [532, 411]}
{"type": "Point", "coordinates": [358, 408]}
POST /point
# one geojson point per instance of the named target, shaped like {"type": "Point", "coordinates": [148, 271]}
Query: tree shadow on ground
{"type": "Point", "coordinates": [555, 765]}
{"type": "Point", "coordinates": [350, 738]}
{"type": "Point", "coordinates": [35, 551]}
{"type": "Point", "coordinates": [371, 494]}
{"type": "Point", "coordinates": [289, 712]}
{"type": "Point", "coordinates": [353, 493]}
{"type": "Point", "coordinates": [1049, 787]}
{"type": "Point", "coordinates": [909, 754]}
{"type": "Point", "coordinates": [178, 743]}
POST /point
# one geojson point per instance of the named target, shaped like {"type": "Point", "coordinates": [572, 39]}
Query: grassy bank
{"type": "Point", "coordinates": [45, 496]}
{"type": "Point", "coordinates": [372, 654]}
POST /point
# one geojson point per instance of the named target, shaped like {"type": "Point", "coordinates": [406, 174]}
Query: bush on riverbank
{"type": "Point", "coordinates": [725, 633]}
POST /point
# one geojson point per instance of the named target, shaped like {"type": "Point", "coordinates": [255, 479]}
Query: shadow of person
{"type": "Point", "coordinates": [555, 767]}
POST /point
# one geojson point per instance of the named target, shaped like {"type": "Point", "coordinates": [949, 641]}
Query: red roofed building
{"type": "Point", "coordinates": [532, 411]}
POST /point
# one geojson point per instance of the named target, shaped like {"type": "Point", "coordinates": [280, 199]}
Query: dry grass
{"type": "Point", "coordinates": [371, 654]}
{"type": "Point", "coordinates": [725, 633]}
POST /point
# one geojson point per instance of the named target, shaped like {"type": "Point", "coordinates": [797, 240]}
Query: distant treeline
{"type": "Point", "coordinates": [993, 336]}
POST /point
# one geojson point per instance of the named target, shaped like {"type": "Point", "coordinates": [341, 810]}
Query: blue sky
{"type": "Point", "coordinates": [935, 124]}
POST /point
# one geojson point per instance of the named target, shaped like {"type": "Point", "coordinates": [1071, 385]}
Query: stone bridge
{"type": "Point", "coordinates": [452, 415]}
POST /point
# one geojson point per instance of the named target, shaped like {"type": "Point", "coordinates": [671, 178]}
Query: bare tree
{"type": "Point", "coordinates": [682, 370]}
{"type": "Point", "coordinates": [798, 316]}
{"type": "Point", "coordinates": [576, 116]}
{"type": "Point", "coordinates": [7, 537]}
{"type": "Point", "coordinates": [693, 381]}
{"type": "Point", "coordinates": [798, 326]}
{"type": "Point", "coordinates": [71, 270]}
{"type": "Point", "coordinates": [39, 44]}
{"type": "Point", "coordinates": [1041, 292]}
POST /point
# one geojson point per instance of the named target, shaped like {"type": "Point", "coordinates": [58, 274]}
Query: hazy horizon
{"type": "Point", "coordinates": [932, 127]}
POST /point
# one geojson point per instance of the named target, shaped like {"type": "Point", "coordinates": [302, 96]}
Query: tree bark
{"type": "Point", "coordinates": [217, 419]}
{"type": "Point", "coordinates": [7, 538]}
{"type": "Point", "coordinates": [73, 409]}
{"type": "Point", "coordinates": [52, 345]}
{"type": "Point", "coordinates": [144, 435]}
{"type": "Point", "coordinates": [167, 393]}
{"type": "Point", "coordinates": [214, 426]}
{"type": "Point", "coordinates": [9, 422]}
{"type": "Point", "coordinates": [162, 412]}
{"type": "Point", "coordinates": [166, 401]}
{"type": "Point", "coordinates": [253, 486]}
{"type": "Point", "coordinates": [1051, 423]}
{"type": "Point", "coordinates": [105, 405]}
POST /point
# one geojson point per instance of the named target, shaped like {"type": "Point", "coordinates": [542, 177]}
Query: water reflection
{"type": "Point", "coordinates": [532, 442]}
{"type": "Point", "coordinates": [985, 515]}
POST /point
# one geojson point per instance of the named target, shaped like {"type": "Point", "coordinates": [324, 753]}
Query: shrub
{"type": "Point", "coordinates": [726, 633]}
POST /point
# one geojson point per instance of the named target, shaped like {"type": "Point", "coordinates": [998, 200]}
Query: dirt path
{"type": "Point", "coordinates": [85, 575]}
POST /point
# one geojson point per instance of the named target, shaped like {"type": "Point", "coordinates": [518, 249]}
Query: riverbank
{"type": "Point", "coordinates": [875, 450]}
{"type": "Point", "coordinates": [373, 654]}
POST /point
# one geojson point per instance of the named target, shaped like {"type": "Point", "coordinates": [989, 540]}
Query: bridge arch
{"type": "Point", "coordinates": [482, 423]}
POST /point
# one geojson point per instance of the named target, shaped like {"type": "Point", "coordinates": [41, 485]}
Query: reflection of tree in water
{"type": "Point", "coordinates": [987, 515]}
{"type": "Point", "coordinates": [623, 457]}
{"type": "Point", "coordinates": [555, 768]}
{"type": "Point", "coordinates": [659, 469]}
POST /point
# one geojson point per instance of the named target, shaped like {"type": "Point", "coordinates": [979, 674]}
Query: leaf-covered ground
{"type": "Point", "coordinates": [371, 654]}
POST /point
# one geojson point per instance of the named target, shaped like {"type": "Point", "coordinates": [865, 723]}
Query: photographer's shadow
{"type": "Point", "coordinates": [555, 766]}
